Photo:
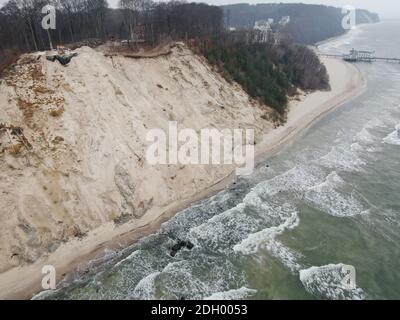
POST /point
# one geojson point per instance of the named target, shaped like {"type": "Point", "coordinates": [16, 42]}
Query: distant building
{"type": "Point", "coordinates": [284, 21]}
{"type": "Point", "coordinates": [263, 30]}
{"type": "Point", "coordinates": [232, 29]}
{"type": "Point", "coordinates": [262, 25]}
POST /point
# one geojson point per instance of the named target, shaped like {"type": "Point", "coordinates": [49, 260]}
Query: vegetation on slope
{"type": "Point", "coordinates": [268, 73]}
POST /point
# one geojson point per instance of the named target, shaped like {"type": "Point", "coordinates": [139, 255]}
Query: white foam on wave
{"type": "Point", "coordinates": [240, 228]}
{"type": "Point", "coordinates": [365, 141]}
{"type": "Point", "coordinates": [364, 136]}
{"type": "Point", "coordinates": [266, 238]}
{"type": "Point", "coordinates": [139, 259]}
{"type": "Point", "coordinates": [356, 147]}
{"type": "Point", "coordinates": [234, 294]}
{"type": "Point", "coordinates": [179, 280]}
{"type": "Point", "coordinates": [176, 279]}
{"type": "Point", "coordinates": [324, 196]}
{"type": "Point", "coordinates": [42, 295]}
{"type": "Point", "coordinates": [270, 214]}
{"type": "Point", "coordinates": [312, 185]}
{"type": "Point", "coordinates": [375, 123]}
{"type": "Point", "coordinates": [258, 220]}
{"type": "Point", "coordinates": [223, 230]}
{"type": "Point", "coordinates": [230, 227]}
{"type": "Point", "coordinates": [341, 158]}
{"type": "Point", "coordinates": [327, 281]}
{"type": "Point", "coordinates": [298, 178]}
{"type": "Point", "coordinates": [145, 289]}
{"type": "Point", "coordinates": [129, 258]}
{"type": "Point", "coordinates": [393, 137]}
{"type": "Point", "coordinates": [331, 180]}
{"type": "Point", "coordinates": [195, 280]}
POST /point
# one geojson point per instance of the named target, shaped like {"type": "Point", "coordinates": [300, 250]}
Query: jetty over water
{"type": "Point", "coordinates": [361, 56]}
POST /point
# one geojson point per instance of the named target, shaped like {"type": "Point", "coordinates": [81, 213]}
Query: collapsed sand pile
{"type": "Point", "coordinates": [73, 142]}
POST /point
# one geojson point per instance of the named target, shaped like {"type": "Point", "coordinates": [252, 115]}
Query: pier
{"type": "Point", "coordinates": [360, 56]}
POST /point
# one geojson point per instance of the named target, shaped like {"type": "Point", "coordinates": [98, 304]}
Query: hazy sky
{"type": "Point", "coordinates": [386, 8]}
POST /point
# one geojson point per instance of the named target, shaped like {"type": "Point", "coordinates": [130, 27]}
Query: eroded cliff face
{"type": "Point", "coordinates": [73, 142]}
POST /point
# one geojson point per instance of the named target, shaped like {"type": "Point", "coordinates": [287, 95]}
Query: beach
{"type": "Point", "coordinates": [346, 82]}
{"type": "Point", "coordinates": [23, 282]}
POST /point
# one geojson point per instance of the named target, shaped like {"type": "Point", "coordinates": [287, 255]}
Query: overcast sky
{"type": "Point", "coordinates": [386, 8]}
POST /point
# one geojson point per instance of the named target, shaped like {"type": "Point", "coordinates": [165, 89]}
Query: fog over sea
{"type": "Point", "coordinates": [331, 198]}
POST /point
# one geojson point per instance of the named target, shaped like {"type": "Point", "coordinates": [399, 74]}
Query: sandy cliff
{"type": "Point", "coordinates": [72, 153]}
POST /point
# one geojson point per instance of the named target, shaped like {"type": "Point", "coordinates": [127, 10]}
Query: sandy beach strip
{"type": "Point", "coordinates": [23, 282]}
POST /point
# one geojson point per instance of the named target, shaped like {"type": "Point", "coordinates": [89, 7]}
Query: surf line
{"type": "Point", "coordinates": [159, 310]}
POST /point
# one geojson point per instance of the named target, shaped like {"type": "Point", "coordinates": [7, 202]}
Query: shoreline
{"type": "Point", "coordinates": [23, 282]}
{"type": "Point", "coordinates": [320, 43]}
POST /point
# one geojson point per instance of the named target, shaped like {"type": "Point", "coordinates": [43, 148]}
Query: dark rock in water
{"type": "Point", "coordinates": [175, 249]}
{"type": "Point", "coordinates": [179, 245]}
{"type": "Point", "coordinates": [189, 245]}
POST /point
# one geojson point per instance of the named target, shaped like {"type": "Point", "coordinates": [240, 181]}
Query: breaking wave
{"type": "Point", "coordinates": [341, 158]}
{"type": "Point", "coordinates": [327, 282]}
{"type": "Point", "coordinates": [234, 294]}
{"type": "Point", "coordinates": [325, 197]}
{"type": "Point", "coordinates": [365, 136]}
{"type": "Point", "coordinates": [393, 137]}
{"type": "Point", "coordinates": [267, 239]}
{"type": "Point", "coordinates": [145, 289]}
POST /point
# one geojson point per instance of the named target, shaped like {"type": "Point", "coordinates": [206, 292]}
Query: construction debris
{"type": "Point", "coordinates": [63, 58]}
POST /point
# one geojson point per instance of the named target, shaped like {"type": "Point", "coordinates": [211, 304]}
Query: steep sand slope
{"type": "Point", "coordinates": [73, 143]}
